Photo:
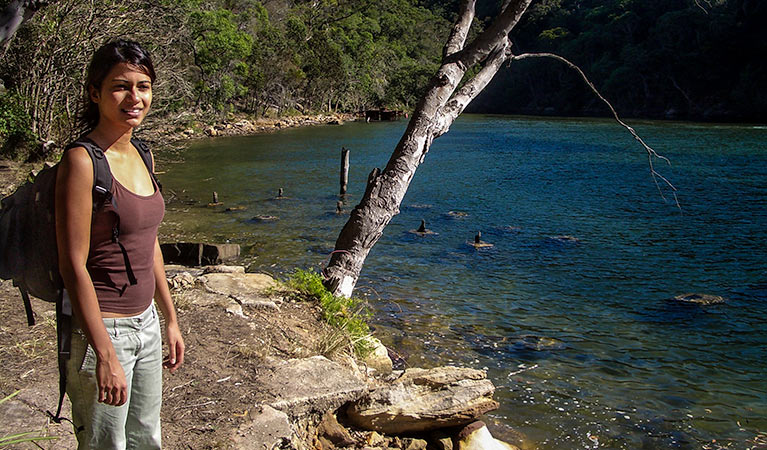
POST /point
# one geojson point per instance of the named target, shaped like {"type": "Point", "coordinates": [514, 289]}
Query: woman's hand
{"type": "Point", "coordinates": [175, 347]}
{"type": "Point", "coordinates": [110, 378]}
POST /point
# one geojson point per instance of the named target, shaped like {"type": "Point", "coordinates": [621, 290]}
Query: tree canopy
{"type": "Point", "coordinates": [217, 57]}
{"type": "Point", "coordinates": [651, 58]}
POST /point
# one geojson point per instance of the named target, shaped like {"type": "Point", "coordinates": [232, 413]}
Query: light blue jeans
{"type": "Point", "coordinates": [136, 424]}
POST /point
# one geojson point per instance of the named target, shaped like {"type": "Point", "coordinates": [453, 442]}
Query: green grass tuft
{"type": "Point", "coordinates": [24, 436]}
{"type": "Point", "coordinates": [348, 315]}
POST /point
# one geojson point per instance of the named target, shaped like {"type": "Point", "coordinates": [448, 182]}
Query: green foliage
{"type": "Point", "coordinates": [15, 127]}
{"type": "Point", "coordinates": [552, 34]}
{"type": "Point", "coordinates": [346, 314]}
{"type": "Point", "coordinates": [218, 57]}
{"type": "Point", "coordinates": [14, 119]}
{"type": "Point", "coordinates": [220, 52]}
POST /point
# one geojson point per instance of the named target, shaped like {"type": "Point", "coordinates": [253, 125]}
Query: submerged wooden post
{"type": "Point", "coordinates": [344, 169]}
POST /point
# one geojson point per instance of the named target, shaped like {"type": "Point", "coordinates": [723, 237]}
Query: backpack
{"type": "Point", "coordinates": [28, 249]}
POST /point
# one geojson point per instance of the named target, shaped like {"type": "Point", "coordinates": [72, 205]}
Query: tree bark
{"type": "Point", "coordinates": [433, 115]}
{"type": "Point", "coordinates": [14, 15]}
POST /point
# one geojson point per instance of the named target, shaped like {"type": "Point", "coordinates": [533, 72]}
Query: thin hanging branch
{"type": "Point", "coordinates": [651, 153]}
{"type": "Point", "coordinates": [697, 2]}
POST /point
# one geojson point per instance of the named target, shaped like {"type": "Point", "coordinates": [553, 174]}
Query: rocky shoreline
{"type": "Point", "coordinates": [335, 400]}
{"type": "Point", "coordinates": [164, 135]}
{"type": "Point", "coordinates": [168, 137]}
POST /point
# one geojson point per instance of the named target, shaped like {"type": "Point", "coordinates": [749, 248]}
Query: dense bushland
{"type": "Point", "coordinates": [220, 57]}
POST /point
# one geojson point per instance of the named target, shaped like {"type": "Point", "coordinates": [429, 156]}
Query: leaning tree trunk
{"type": "Point", "coordinates": [435, 112]}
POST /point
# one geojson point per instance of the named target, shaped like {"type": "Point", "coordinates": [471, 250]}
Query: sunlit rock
{"type": "Point", "coordinates": [477, 437]}
{"type": "Point", "coordinates": [423, 400]}
{"type": "Point", "coordinates": [700, 299]}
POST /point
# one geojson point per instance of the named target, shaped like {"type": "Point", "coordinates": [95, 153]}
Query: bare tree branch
{"type": "Point", "coordinates": [478, 50]}
{"type": "Point", "coordinates": [697, 2]}
{"type": "Point", "coordinates": [461, 28]}
{"type": "Point", "coordinates": [651, 153]}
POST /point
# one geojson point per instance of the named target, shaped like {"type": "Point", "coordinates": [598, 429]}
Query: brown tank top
{"type": "Point", "coordinates": [140, 217]}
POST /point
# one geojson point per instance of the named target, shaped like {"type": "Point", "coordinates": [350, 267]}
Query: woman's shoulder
{"type": "Point", "coordinates": [76, 163]}
{"type": "Point", "coordinates": [77, 157]}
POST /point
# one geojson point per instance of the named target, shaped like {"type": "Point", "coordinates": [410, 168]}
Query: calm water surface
{"type": "Point", "coordinates": [579, 336]}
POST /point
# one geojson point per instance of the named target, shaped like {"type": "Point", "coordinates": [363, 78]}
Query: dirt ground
{"type": "Point", "coordinates": [203, 402]}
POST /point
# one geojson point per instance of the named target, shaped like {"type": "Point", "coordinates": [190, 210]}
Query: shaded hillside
{"type": "Point", "coordinates": [651, 58]}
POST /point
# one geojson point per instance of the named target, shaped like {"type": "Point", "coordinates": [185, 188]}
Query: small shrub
{"type": "Point", "coordinates": [348, 315]}
{"type": "Point", "coordinates": [16, 137]}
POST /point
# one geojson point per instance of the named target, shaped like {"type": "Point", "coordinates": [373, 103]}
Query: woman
{"type": "Point", "coordinates": [114, 374]}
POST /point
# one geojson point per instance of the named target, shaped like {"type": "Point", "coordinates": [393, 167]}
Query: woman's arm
{"type": "Point", "coordinates": [165, 302]}
{"type": "Point", "coordinates": [74, 204]}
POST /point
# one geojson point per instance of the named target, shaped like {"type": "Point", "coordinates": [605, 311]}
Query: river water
{"type": "Point", "coordinates": [570, 311]}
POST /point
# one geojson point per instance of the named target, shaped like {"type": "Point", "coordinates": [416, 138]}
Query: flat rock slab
{"type": "Point", "coordinates": [423, 400]}
{"type": "Point", "coordinates": [247, 288]}
{"type": "Point", "coordinates": [269, 429]}
{"type": "Point", "coordinates": [311, 385]}
{"type": "Point", "coordinates": [223, 269]}
{"type": "Point", "coordinates": [175, 269]}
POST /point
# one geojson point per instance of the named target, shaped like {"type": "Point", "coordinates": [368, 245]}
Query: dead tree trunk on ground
{"type": "Point", "coordinates": [442, 103]}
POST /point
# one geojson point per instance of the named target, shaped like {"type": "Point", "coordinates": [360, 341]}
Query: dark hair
{"type": "Point", "coordinates": [105, 58]}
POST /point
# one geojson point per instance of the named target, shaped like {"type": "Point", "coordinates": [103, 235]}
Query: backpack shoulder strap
{"type": "Point", "coordinates": [102, 176]}
{"type": "Point", "coordinates": [146, 155]}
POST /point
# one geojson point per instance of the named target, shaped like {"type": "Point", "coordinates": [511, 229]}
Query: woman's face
{"type": "Point", "coordinates": [124, 97]}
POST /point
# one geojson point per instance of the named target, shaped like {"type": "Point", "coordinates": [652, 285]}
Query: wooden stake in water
{"type": "Point", "coordinates": [344, 169]}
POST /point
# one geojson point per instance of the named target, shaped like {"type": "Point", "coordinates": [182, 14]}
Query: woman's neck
{"type": "Point", "coordinates": [112, 139]}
